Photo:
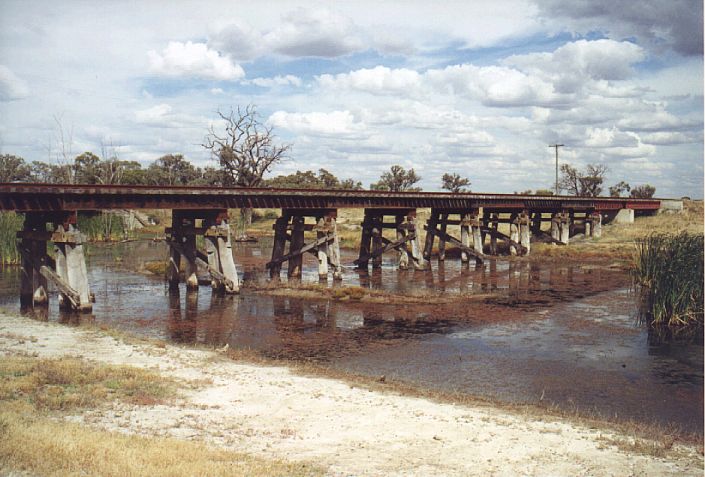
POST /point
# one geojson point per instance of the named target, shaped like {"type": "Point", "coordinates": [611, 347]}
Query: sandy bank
{"type": "Point", "coordinates": [270, 411]}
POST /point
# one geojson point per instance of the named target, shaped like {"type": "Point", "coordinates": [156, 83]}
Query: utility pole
{"type": "Point", "coordinates": [556, 146]}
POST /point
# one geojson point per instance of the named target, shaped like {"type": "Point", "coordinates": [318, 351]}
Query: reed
{"type": "Point", "coordinates": [667, 272]}
{"type": "Point", "coordinates": [105, 226]}
{"type": "Point", "coordinates": [10, 224]}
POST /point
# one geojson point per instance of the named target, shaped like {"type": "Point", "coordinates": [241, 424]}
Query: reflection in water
{"type": "Point", "coordinates": [585, 353]}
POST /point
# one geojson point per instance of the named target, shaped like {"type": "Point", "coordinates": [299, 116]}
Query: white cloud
{"type": "Point", "coordinates": [597, 59]}
{"type": "Point", "coordinates": [279, 80]}
{"type": "Point", "coordinates": [336, 123]}
{"type": "Point", "coordinates": [314, 32]}
{"type": "Point", "coordinates": [240, 40]}
{"type": "Point", "coordinates": [154, 115]}
{"type": "Point", "coordinates": [11, 86]}
{"type": "Point", "coordinates": [378, 80]}
{"type": "Point", "coordinates": [604, 137]}
{"type": "Point", "coordinates": [193, 59]}
{"type": "Point", "coordinates": [669, 138]}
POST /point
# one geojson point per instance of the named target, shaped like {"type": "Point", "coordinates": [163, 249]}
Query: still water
{"type": "Point", "coordinates": [565, 336]}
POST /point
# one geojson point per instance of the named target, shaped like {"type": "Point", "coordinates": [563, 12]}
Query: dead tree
{"type": "Point", "coordinates": [245, 150]}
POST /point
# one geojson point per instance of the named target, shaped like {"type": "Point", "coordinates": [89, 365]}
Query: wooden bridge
{"type": "Point", "coordinates": [51, 210]}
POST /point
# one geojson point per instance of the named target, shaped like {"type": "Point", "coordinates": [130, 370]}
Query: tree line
{"type": "Point", "coordinates": [245, 150]}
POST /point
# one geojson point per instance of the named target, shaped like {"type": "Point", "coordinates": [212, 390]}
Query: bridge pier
{"type": "Point", "coordinates": [291, 227]}
{"type": "Point", "coordinates": [71, 265]}
{"type": "Point", "coordinates": [67, 271]}
{"type": "Point", "coordinates": [373, 244]}
{"type": "Point", "coordinates": [184, 254]}
{"type": "Point", "coordinates": [593, 225]}
{"type": "Point", "coordinates": [471, 242]}
{"type": "Point", "coordinates": [33, 285]}
{"type": "Point", "coordinates": [524, 220]}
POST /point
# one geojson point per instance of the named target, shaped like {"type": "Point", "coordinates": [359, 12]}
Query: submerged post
{"type": "Point", "coordinates": [33, 249]}
{"type": "Point", "coordinates": [441, 241]}
{"type": "Point", "coordinates": [376, 240]}
{"type": "Point", "coordinates": [565, 226]}
{"type": "Point", "coordinates": [296, 243]}
{"type": "Point", "coordinates": [513, 234]}
{"type": "Point", "coordinates": [71, 264]}
{"type": "Point", "coordinates": [465, 224]}
{"type": "Point", "coordinates": [525, 231]}
{"type": "Point", "coordinates": [220, 253]}
{"type": "Point", "coordinates": [365, 241]}
{"type": "Point", "coordinates": [403, 254]}
{"type": "Point", "coordinates": [419, 262]}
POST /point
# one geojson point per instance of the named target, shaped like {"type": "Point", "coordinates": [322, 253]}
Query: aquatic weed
{"type": "Point", "coordinates": [667, 272]}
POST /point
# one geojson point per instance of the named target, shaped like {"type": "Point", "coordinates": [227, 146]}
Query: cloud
{"type": "Point", "coordinates": [279, 80]}
{"type": "Point", "coordinates": [193, 59]}
{"type": "Point", "coordinates": [314, 32]}
{"type": "Point", "coordinates": [340, 124]}
{"type": "Point", "coordinates": [378, 80]}
{"type": "Point", "coordinates": [669, 138]}
{"type": "Point", "coordinates": [612, 137]}
{"type": "Point", "coordinates": [597, 59]}
{"type": "Point", "coordinates": [676, 24]}
{"type": "Point", "coordinates": [240, 40]}
{"type": "Point", "coordinates": [11, 86]}
{"type": "Point", "coordinates": [153, 115]}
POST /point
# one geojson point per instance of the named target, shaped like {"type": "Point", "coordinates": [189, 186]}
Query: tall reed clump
{"type": "Point", "coordinates": [10, 224]}
{"type": "Point", "coordinates": [105, 226]}
{"type": "Point", "coordinates": [668, 274]}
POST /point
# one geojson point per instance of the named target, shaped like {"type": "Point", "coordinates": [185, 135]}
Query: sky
{"type": "Point", "coordinates": [478, 88]}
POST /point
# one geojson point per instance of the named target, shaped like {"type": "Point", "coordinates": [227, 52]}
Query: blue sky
{"type": "Point", "coordinates": [476, 88]}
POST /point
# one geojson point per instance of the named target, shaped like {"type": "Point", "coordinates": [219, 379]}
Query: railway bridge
{"type": "Point", "coordinates": [50, 212]}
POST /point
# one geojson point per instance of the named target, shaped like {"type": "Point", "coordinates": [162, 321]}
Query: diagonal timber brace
{"type": "Point", "coordinates": [492, 232]}
{"type": "Point", "coordinates": [300, 251]}
{"type": "Point", "coordinates": [389, 245]}
{"type": "Point", "coordinates": [480, 257]}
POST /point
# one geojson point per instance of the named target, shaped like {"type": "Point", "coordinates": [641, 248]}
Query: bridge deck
{"type": "Point", "coordinates": [54, 197]}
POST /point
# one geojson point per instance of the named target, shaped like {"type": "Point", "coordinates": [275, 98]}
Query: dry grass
{"type": "Point", "coordinates": [156, 267]}
{"type": "Point", "coordinates": [40, 446]}
{"type": "Point", "coordinates": [660, 447]}
{"type": "Point", "coordinates": [33, 441]}
{"type": "Point", "coordinates": [69, 383]}
{"type": "Point", "coordinates": [362, 295]}
{"type": "Point", "coordinates": [619, 241]}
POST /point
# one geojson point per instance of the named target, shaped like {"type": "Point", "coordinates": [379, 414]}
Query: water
{"type": "Point", "coordinates": [539, 345]}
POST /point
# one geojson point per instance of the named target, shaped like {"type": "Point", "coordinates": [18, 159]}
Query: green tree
{"type": "Point", "coordinates": [14, 169]}
{"type": "Point", "coordinates": [645, 191]}
{"type": "Point", "coordinates": [585, 184]}
{"type": "Point", "coordinates": [171, 169]}
{"type": "Point", "coordinates": [454, 183]}
{"type": "Point", "coordinates": [133, 174]}
{"type": "Point", "coordinates": [618, 189]}
{"type": "Point", "coordinates": [397, 180]}
{"type": "Point", "coordinates": [87, 168]}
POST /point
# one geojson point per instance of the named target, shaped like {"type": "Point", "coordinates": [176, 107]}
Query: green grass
{"type": "Point", "coordinates": [10, 224]}
{"type": "Point", "coordinates": [668, 274]}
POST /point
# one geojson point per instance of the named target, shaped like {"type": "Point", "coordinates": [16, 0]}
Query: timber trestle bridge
{"type": "Point", "coordinates": [50, 212]}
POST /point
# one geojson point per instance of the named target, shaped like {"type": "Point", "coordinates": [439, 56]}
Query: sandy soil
{"type": "Point", "coordinates": [272, 412]}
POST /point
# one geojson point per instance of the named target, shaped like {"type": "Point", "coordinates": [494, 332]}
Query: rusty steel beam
{"type": "Point", "coordinates": [58, 197]}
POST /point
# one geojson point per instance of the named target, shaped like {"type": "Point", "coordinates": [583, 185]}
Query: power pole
{"type": "Point", "coordinates": [556, 146]}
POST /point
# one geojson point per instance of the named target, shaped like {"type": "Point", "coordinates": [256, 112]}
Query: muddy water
{"type": "Point", "coordinates": [562, 335]}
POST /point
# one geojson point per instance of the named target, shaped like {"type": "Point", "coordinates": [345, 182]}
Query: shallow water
{"type": "Point", "coordinates": [540, 345]}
